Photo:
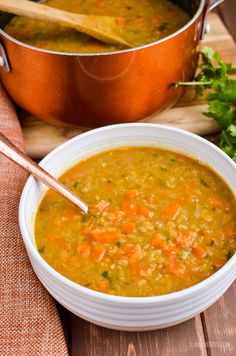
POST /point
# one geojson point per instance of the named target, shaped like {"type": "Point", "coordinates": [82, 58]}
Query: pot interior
{"type": "Point", "coordinates": [190, 6]}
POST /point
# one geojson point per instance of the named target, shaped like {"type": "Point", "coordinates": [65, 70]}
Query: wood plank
{"type": "Point", "coordinates": [91, 340]}
{"type": "Point", "coordinates": [40, 137]}
{"type": "Point", "coordinates": [219, 323]}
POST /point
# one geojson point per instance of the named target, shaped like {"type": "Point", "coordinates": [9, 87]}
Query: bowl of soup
{"type": "Point", "coordinates": [65, 77]}
{"type": "Point", "coordinates": [157, 246]}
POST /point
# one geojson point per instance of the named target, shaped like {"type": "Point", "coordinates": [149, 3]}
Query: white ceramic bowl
{"type": "Point", "coordinates": [124, 313]}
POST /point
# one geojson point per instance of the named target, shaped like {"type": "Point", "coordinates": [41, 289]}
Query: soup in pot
{"type": "Point", "coordinates": [142, 22]}
{"type": "Point", "coordinates": [158, 222]}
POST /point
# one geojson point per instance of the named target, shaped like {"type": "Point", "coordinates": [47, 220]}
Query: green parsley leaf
{"type": "Point", "coordinates": [213, 79]}
{"type": "Point", "coordinates": [105, 274]}
{"type": "Point", "coordinates": [221, 112]}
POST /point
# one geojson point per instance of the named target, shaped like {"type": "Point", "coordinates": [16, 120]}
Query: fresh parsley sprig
{"type": "Point", "coordinates": [214, 78]}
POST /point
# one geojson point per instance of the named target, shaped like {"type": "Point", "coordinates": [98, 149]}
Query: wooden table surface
{"type": "Point", "coordinates": [213, 333]}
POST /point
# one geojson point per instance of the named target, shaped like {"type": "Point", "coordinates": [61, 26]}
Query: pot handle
{"type": "Point", "coordinates": [4, 63]}
{"type": "Point", "coordinates": [210, 5]}
{"type": "Point", "coordinates": [213, 4]}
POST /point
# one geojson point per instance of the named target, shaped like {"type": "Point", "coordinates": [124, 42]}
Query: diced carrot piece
{"type": "Point", "coordinates": [100, 5]}
{"type": "Point", "coordinates": [184, 239]}
{"type": "Point", "coordinates": [180, 199]}
{"type": "Point", "coordinates": [145, 269]}
{"type": "Point", "coordinates": [57, 221]}
{"type": "Point", "coordinates": [160, 243]}
{"type": "Point", "coordinates": [199, 251]}
{"type": "Point", "coordinates": [190, 186]}
{"type": "Point", "coordinates": [98, 253]}
{"type": "Point", "coordinates": [143, 211]}
{"type": "Point", "coordinates": [150, 199]}
{"type": "Point", "coordinates": [130, 195]}
{"type": "Point", "coordinates": [134, 269]}
{"type": "Point", "coordinates": [155, 21]}
{"type": "Point", "coordinates": [87, 229]}
{"type": "Point", "coordinates": [114, 219]}
{"type": "Point", "coordinates": [107, 259]}
{"type": "Point", "coordinates": [71, 214]}
{"type": "Point", "coordinates": [141, 269]}
{"type": "Point", "coordinates": [114, 216]}
{"type": "Point", "coordinates": [172, 211]}
{"type": "Point", "coordinates": [171, 250]}
{"type": "Point", "coordinates": [219, 262]}
{"type": "Point", "coordinates": [120, 22]}
{"type": "Point", "coordinates": [137, 255]}
{"type": "Point", "coordinates": [70, 176]}
{"type": "Point", "coordinates": [228, 231]}
{"type": "Point", "coordinates": [52, 237]}
{"type": "Point", "coordinates": [128, 250]}
{"type": "Point", "coordinates": [104, 237]}
{"type": "Point", "coordinates": [128, 227]}
{"type": "Point", "coordinates": [84, 249]}
{"type": "Point", "coordinates": [102, 286]}
{"type": "Point", "coordinates": [175, 267]}
{"type": "Point", "coordinates": [100, 206]}
{"type": "Point", "coordinates": [130, 210]}
{"type": "Point", "coordinates": [157, 241]}
{"type": "Point", "coordinates": [134, 252]}
{"type": "Point", "coordinates": [182, 158]}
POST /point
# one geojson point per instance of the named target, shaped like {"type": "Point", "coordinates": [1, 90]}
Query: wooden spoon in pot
{"type": "Point", "coordinates": [103, 28]}
{"type": "Point", "coordinates": [13, 153]}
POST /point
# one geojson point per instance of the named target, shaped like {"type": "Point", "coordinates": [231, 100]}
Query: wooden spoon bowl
{"type": "Point", "coordinates": [103, 28]}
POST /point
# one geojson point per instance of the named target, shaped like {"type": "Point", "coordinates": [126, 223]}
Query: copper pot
{"type": "Point", "coordinates": [98, 89]}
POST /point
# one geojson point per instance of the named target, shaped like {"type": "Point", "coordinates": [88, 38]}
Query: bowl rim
{"type": "Point", "coordinates": [109, 297]}
{"type": "Point", "coordinates": [194, 18]}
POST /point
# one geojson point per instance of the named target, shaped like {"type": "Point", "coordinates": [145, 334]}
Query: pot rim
{"type": "Point", "coordinates": [99, 296]}
{"type": "Point", "coordinates": [182, 29]}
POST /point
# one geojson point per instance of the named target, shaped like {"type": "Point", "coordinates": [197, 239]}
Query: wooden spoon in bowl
{"type": "Point", "coordinates": [103, 28]}
{"type": "Point", "coordinates": [13, 153]}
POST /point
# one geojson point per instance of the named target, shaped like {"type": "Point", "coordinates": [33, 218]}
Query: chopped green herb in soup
{"type": "Point", "coordinates": [159, 222]}
{"type": "Point", "coordinates": [142, 22]}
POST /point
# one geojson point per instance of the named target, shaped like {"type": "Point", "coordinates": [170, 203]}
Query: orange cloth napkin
{"type": "Point", "coordinates": [29, 322]}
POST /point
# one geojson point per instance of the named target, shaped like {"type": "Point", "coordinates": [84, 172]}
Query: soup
{"type": "Point", "coordinates": [143, 22]}
{"type": "Point", "coordinates": [159, 222]}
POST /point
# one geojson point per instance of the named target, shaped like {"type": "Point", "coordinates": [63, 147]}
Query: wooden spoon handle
{"type": "Point", "coordinates": [41, 12]}
{"type": "Point", "coordinates": [14, 154]}
{"type": "Point", "coordinates": [103, 28]}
